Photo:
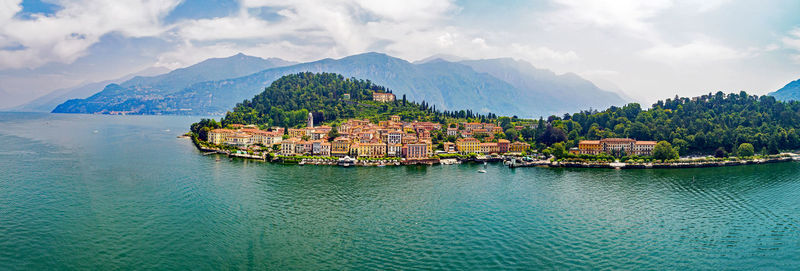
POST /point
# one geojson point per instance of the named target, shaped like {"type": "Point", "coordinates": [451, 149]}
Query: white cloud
{"type": "Point", "coordinates": [310, 30]}
{"type": "Point", "coordinates": [628, 15]}
{"type": "Point", "coordinates": [792, 42]}
{"type": "Point", "coordinates": [8, 8]}
{"type": "Point", "coordinates": [67, 34]}
{"type": "Point", "coordinates": [696, 52]}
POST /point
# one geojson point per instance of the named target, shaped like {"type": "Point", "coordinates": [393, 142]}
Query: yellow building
{"type": "Point", "coordinates": [592, 147]}
{"type": "Point", "coordinates": [371, 150]}
{"type": "Point", "coordinates": [217, 136]}
{"type": "Point", "coordinates": [340, 147]}
{"type": "Point", "coordinates": [489, 147]}
{"type": "Point", "coordinates": [468, 145]}
{"type": "Point", "coordinates": [518, 147]}
{"type": "Point", "coordinates": [297, 133]}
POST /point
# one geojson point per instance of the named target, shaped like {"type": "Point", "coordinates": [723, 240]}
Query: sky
{"type": "Point", "coordinates": [648, 50]}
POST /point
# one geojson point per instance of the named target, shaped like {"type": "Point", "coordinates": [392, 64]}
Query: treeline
{"type": "Point", "coordinates": [699, 125]}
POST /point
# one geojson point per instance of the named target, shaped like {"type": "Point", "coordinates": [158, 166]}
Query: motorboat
{"type": "Point", "coordinates": [484, 168]}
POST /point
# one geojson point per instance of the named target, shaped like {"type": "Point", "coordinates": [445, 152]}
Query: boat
{"type": "Point", "coordinates": [484, 168]}
{"type": "Point", "coordinates": [346, 161]}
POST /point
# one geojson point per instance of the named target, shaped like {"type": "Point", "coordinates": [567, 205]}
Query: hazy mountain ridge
{"type": "Point", "coordinates": [48, 102]}
{"type": "Point", "coordinates": [550, 91]}
{"type": "Point", "coordinates": [445, 84]}
{"type": "Point", "coordinates": [790, 91]}
{"type": "Point", "coordinates": [135, 94]}
{"type": "Point", "coordinates": [501, 86]}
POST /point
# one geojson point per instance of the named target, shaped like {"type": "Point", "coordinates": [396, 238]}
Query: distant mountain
{"type": "Point", "coordinates": [444, 84]}
{"type": "Point", "coordinates": [440, 57]}
{"type": "Point", "coordinates": [790, 91]}
{"type": "Point", "coordinates": [543, 88]}
{"type": "Point", "coordinates": [131, 94]}
{"type": "Point", "coordinates": [500, 86]}
{"type": "Point", "coordinates": [49, 101]}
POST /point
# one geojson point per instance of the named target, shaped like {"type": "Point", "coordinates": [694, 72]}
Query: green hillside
{"type": "Point", "coordinates": [288, 100]}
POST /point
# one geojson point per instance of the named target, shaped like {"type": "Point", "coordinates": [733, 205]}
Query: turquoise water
{"type": "Point", "coordinates": [113, 192]}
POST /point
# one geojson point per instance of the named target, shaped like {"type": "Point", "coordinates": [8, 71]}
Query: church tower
{"type": "Point", "coordinates": [310, 120]}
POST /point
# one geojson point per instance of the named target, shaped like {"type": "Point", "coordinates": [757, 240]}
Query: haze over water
{"type": "Point", "coordinates": [122, 192]}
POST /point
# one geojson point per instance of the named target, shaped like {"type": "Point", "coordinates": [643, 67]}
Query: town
{"type": "Point", "coordinates": [362, 139]}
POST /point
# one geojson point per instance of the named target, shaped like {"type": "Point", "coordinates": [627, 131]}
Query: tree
{"type": "Point", "coordinates": [746, 149]}
{"type": "Point", "coordinates": [333, 134]}
{"type": "Point", "coordinates": [558, 150]}
{"type": "Point", "coordinates": [511, 134]}
{"type": "Point", "coordinates": [720, 153]}
{"type": "Point", "coordinates": [664, 151]}
{"type": "Point", "coordinates": [552, 135]}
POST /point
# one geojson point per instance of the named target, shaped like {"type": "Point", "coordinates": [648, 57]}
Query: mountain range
{"type": "Point", "coordinates": [141, 94]}
{"type": "Point", "coordinates": [501, 86]}
{"type": "Point", "coordinates": [49, 101]}
{"type": "Point", "coordinates": [790, 91]}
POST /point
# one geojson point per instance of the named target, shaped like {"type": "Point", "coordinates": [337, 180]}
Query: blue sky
{"type": "Point", "coordinates": [647, 49]}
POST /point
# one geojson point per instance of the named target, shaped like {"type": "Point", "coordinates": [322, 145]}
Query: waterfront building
{"type": "Point", "coordinates": [383, 97]}
{"type": "Point", "coordinates": [273, 138]}
{"type": "Point", "coordinates": [288, 146]}
{"type": "Point", "coordinates": [394, 150]}
{"type": "Point", "coordinates": [217, 136]}
{"type": "Point", "coordinates": [417, 150]}
{"type": "Point", "coordinates": [503, 145]}
{"type": "Point", "coordinates": [340, 147]}
{"type": "Point", "coordinates": [449, 147]}
{"type": "Point", "coordinates": [321, 148]}
{"type": "Point", "coordinates": [592, 147]}
{"type": "Point", "coordinates": [371, 150]}
{"type": "Point", "coordinates": [303, 147]}
{"type": "Point", "coordinates": [617, 145]}
{"type": "Point", "coordinates": [620, 146]}
{"type": "Point", "coordinates": [518, 147]}
{"type": "Point", "coordinates": [643, 148]}
{"type": "Point", "coordinates": [468, 145]}
{"type": "Point", "coordinates": [238, 140]}
{"type": "Point", "coordinates": [489, 147]}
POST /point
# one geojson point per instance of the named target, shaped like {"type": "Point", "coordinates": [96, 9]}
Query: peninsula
{"type": "Point", "coordinates": [324, 118]}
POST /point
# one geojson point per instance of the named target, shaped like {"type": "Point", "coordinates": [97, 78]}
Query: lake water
{"type": "Point", "coordinates": [122, 192]}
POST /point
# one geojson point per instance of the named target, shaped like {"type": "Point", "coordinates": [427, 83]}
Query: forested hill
{"type": "Point", "coordinates": [288, 100]}
{"type": "Point", "coordinates": [696, 125]}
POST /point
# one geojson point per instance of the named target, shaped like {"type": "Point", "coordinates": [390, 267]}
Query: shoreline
{"type": "Point", "coordinates": [676, 165]}
{"type": "Point", "coordinates": [510, 163]}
